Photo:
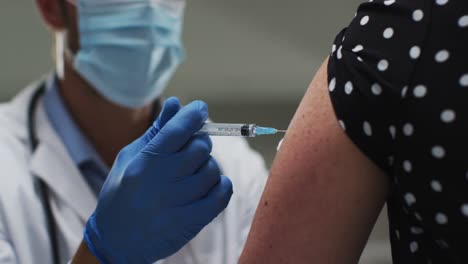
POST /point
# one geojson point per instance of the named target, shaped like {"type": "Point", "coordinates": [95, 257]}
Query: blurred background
{"type": "Point", "coordinates": [251, 60]}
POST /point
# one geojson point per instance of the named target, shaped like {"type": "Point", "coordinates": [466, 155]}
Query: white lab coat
{"type": "Point", "coordinates": [23, 228]}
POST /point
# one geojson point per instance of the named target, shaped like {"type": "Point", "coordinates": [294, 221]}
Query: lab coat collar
{"type": "Point", "coordinates": [76, 144]}
{"type": "Point", "coordinates": [52, 163]}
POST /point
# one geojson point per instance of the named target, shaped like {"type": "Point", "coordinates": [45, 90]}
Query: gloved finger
{"type": "Point", "coordinates": [210, 206]}
{"type": "Point", "coordinates": [182, 164]}
{"type": "Point", "coordinates": [198, 185]}
{"type": "Point", "coordinates": [170, 108]}
{"type": "Point", "coordinates": [177, 131]}
{"type": "Point", "coordinates": [193, 155]}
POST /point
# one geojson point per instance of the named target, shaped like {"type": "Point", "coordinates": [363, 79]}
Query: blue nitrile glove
{"type": "Point", "coordinates": [162, 190]}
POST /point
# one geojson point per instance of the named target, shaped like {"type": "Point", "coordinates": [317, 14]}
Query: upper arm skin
{"type": "Point", "coordinates": [323, 195]}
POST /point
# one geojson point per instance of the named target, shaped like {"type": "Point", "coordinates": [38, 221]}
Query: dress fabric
{"type": "Point", "coordinates": [398, 81]}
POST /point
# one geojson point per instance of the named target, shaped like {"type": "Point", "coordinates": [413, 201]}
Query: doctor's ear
{"type": "Point", "coordinates": [61, 15]}
{"type": "Point", "coordinates": [53, 13]}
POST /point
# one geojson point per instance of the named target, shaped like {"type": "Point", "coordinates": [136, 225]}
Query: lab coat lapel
{"type": "Point", "coordinates": [52, 163]}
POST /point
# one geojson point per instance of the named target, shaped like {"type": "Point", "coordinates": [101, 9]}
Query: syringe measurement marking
{"type": "Point", "coordinates": [226, 131]}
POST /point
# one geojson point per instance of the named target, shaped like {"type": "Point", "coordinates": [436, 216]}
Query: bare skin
{"type": "Point", "coordinates": [107, 126]}
{"type": "Point", "coordinates": [83, 255]}
{"type": "Point", "coordinates": [323, 195]}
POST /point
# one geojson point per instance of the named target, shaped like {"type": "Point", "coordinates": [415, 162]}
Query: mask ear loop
{"type": "Point", "coordinates": [62, 51]}
{"type": "Point", "coordinates": [60, 39]}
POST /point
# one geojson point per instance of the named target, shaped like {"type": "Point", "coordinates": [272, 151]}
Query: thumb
{"type": "Point", "coordinates": [178, 131]}
{"type": "Point", "coordinates": [170, 108]}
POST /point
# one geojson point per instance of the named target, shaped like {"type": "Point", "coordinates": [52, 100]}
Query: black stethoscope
{"type": "Point", "coordinates": [44, 191]}
{"type": "Point", "coordinates": [34, 141]}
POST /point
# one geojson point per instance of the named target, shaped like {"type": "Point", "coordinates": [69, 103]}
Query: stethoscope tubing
{"type": "Point", "coordinates": [44, 190]}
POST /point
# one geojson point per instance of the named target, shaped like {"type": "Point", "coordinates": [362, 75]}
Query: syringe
{"type": "Point", "coordinates": [237, 130]}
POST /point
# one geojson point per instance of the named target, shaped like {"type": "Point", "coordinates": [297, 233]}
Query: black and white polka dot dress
{"type": "Point", "coordinates": [398, 80]}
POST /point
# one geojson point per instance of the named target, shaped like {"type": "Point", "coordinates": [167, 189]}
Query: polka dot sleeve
{"type": "Point", "coordinates": [369, 69]}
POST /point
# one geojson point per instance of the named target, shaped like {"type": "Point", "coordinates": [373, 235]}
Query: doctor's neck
{"type": "Point", "coordinates": [107, 126]}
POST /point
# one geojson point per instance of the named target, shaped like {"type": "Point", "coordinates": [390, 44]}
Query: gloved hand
{"type": "Point", "coordinates": [162, 190]}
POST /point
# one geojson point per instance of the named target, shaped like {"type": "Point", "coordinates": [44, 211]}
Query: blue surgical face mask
{"type": "Point", "coordinates": [129, 50]}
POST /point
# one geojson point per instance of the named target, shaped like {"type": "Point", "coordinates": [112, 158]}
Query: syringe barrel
{"type": "Point", "coordinates": [236, 130]}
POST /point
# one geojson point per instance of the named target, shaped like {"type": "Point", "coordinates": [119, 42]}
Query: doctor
{"type": "Point", "coordinates": [60, 136]}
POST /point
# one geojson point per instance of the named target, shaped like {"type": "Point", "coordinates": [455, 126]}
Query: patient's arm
{"type": "Point", "coordinates": [323, 195]}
